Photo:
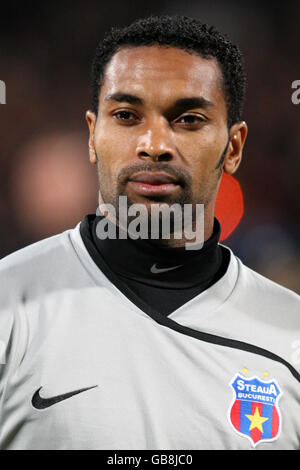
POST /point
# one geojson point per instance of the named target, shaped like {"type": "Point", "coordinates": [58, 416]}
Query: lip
{"type": "Point", "coordinates": [154, 178]}
{"type": "Point", "coordinates": [153, 184]}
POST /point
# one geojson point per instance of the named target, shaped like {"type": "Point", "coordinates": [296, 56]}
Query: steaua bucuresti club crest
{"type": "Point", "coordinates": [254, 411]}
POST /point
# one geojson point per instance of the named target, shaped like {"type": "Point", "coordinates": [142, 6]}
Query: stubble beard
{"type": "Point", "coordinates": [111, 195]}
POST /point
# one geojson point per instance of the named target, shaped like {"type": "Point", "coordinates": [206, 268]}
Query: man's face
{"type": "Point", "coordinates": [161, 128]}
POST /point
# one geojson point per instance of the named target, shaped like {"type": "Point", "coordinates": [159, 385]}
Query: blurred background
{"type": "Point", "coordinates": [46, 181]}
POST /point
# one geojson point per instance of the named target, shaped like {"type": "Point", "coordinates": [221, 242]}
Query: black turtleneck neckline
{"type": "Point", "coordinates": [142, 261]}
{"type": "Point", "coordinates": [137, 266]}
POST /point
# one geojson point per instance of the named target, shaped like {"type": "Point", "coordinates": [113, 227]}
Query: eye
{"type": "Point", "coordinates": [125, 116]}
{"type": "Point", "coordinates": [190, 120]}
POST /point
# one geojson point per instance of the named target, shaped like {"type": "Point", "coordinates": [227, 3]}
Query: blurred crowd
{"type": "Point", "coordinates": [47, 183]}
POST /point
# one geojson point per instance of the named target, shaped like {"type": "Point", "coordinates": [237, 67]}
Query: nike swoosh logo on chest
{"type": "Point", "coordinates": [41, 403]}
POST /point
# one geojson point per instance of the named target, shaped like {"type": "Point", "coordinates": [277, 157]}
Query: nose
{"type": "Point", "coordinates": [156, 144]}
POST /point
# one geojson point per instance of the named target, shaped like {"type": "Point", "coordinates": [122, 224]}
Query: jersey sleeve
{"type": "Point", "coordinates": [6, 330]}
{"type": "Point", "coordinates": [12, 332]}
{"type": "Point", "coordinates": [6, 349]}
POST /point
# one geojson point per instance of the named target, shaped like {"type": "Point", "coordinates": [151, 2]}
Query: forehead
{"type": "Point", "coordinates": [162, 72]}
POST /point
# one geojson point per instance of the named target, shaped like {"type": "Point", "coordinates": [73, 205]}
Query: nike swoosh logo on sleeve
{"type": "Point", "coordinates": [41, 403]}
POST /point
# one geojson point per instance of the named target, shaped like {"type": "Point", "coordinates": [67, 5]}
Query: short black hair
{"type": "Point", "coordinates": [180, 32]}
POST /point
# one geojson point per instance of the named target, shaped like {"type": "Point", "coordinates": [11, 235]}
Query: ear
{"type": "Point", "coordinates": [237, 137]}
{"type": "Point", "coordinates": [91, 120]}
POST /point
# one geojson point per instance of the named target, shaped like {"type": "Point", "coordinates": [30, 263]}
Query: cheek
{"type": "Point", "coordinates": [203, 148]}
{"type": "Point", "coordinates": [107, 150]}
{"type": "Point", "coordinates": [201, 157]}
{"type": "Point", "coordinates": [114, 147]}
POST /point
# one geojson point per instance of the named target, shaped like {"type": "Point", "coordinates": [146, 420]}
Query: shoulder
{"type": "Point", "coordinates": [27, 276]}
{"type": "Point", "coordinates": [34, 254]}
{"type": "Point", "coordinates": [261, 297]}
{"type": "Point", "coordinates": [262, 313]}
{"type": "Point", "coordinates": [40, 263]}
{"type": "Point", "coordinates": [266, 291]}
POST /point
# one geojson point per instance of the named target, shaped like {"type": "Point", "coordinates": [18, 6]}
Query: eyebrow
{"type": "Point", "coordinates": [180, 104]}
{"type": "Point", "coordinates": [193, 102]}
{"type": "Point", "coordinates": [124, 98]}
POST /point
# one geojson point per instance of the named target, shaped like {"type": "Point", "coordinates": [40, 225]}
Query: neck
{"type": "Point", "coordinates": [191, 236]}
{"type": "Point", "coordinates": [202, 235]}
{"type": "Point", "coordinates": [151, 263]}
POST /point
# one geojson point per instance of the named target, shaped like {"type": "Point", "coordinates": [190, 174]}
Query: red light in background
{"type": "Point", "coordinates": [229, 205]}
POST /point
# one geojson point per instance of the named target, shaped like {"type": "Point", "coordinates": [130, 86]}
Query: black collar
{"type": "Point", "coordinates": [142, 261]}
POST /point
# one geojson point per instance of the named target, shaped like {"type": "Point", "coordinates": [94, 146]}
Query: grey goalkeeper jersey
{"type": "Point", "coordinates": [82, 367]}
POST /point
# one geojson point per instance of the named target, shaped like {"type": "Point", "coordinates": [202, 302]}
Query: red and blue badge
{"type": "Point", "coordinates": [254, 411]}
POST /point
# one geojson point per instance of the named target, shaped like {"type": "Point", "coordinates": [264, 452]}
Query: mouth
{"type": "Point", "coordinates": [153, 184]}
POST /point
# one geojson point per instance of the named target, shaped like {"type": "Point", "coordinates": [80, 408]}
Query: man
{"type": "Point", "coordinates": [123, 343]}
